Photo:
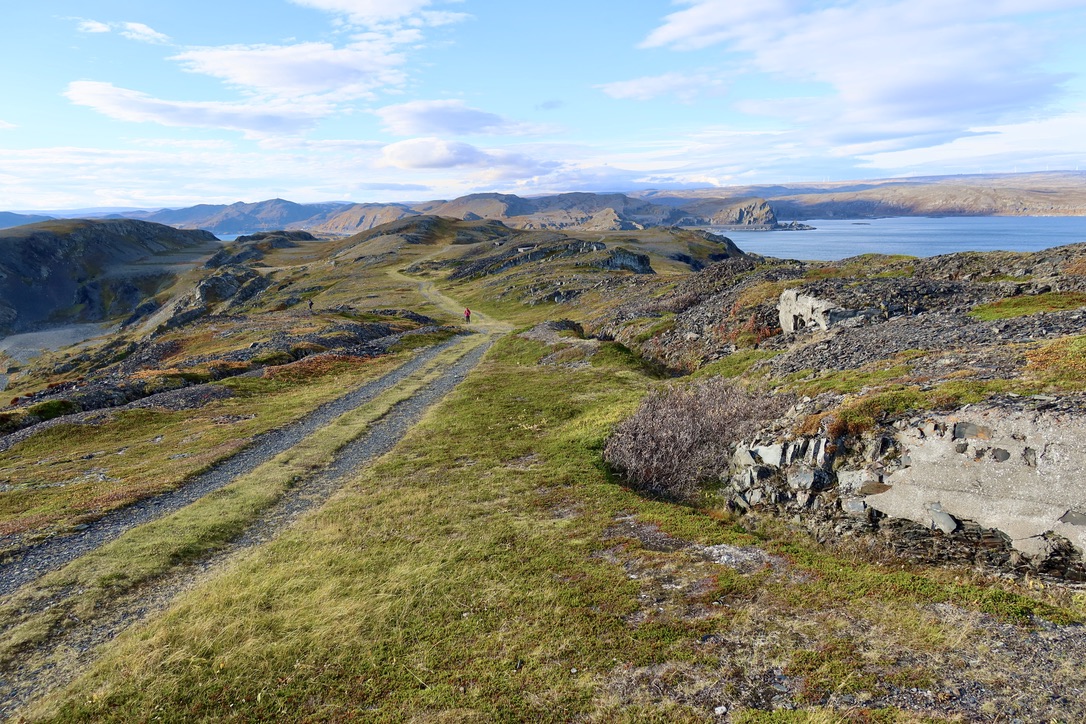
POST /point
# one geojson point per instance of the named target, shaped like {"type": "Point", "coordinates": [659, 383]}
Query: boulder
{"type": "Point", "coordinates": [800, 311]}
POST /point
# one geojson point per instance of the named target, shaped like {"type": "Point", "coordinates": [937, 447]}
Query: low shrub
{"type": "Point", "coordinates": [52, 408]}
{"type": "Point", "coordinates": [275, 357]}
{"type": "Point", "coordinates": [681, 438]}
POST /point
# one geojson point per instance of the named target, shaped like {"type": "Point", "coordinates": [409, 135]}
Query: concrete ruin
{"type": "Point", "coordinates": [800, 311]}
{"type": "Point", "coordinates": [1000, 485]}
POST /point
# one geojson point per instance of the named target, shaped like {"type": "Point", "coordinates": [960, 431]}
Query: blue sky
{"type": "Point", "coordinates": [126, 103]}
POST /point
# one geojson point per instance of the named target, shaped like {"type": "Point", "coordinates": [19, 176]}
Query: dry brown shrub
{"type": "Point", "coordinates": [312, 367]}
{"type": "Point", "coordinates": [681, 438]}
{"type": "Point", "coordinates": [1075, 268]}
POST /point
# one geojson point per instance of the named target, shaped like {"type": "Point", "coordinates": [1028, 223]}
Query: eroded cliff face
{"type": "Point", "coordinates": [89, 270]}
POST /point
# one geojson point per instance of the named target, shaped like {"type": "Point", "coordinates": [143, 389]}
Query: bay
{"type": "Point", "coordinates": [834, 239]}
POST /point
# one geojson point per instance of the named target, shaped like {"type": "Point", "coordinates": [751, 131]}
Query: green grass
{"type": "Point", "coordinates": [1059, 365]}
{"type": "Point", "coordinates": [850, 381]}
{"type": "Point", "coordinates": [657, 328]}
{"type": "Point", "coordinates": [866, 265]}
{"type": "Point", "coordinates": [476, 574]}
{"type": "Point", "coordinates": [71, 473]}
{"type": "Point", "coordinates": [736, 364]}
{"type": "Point", "coordinates": [194, 532]}
{"type": "Point", "coordinates": [837, 578]}
{"type": "Point", "coordinates": [1025, 304]}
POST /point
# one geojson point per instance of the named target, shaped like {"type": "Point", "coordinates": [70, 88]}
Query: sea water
{"type": "Point", "coordinates": [917, 236]}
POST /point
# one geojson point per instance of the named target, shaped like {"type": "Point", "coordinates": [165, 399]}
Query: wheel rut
{"type": "Point", "coordinates": [31, 562]}
{"type": "Point", "coordinates": [57, 660]}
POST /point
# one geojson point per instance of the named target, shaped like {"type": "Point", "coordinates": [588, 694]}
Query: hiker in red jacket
{"type": "Point", "coordinates": [467, 316]}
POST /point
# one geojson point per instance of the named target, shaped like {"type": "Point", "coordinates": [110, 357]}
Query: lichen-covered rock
{"type": "Point", "coordinates": [620, 259]}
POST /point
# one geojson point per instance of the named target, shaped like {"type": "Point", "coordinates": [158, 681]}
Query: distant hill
{"type": "Point", "coordinates": [583, 211]}
{"type": "Point", "coordinates": [8, 219]}
{"type": "Point", "coordinates": [89, 270]}
{"type": "Point", "coordinates": [244, 217]}
{"type": "Point", "coordinates": [1056, 193]}
{"type": "Point", "coordinates": [360, 217]}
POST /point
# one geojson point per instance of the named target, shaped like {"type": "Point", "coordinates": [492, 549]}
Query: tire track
{"type": "Point", "coordinates": [62, 657]}
{"type": "Point", "coordinates": [31, 562]}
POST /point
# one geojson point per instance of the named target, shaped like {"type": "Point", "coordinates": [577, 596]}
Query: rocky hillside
{"type": "Point", "coordinates": [937, 400]}
{"type": "Point", "coordinates": [89, 270]}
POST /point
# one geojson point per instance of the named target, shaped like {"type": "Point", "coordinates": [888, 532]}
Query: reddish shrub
{"type": "Point", "coordinates": [681, 438]}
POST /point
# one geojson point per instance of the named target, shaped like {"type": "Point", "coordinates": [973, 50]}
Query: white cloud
{"type": "Point", "coordinates": [901, 74]}
{"type": "Point", "coordinates": [435, 153]}
{"type": "Point", "coordinates": [5, 126]}
{"type": "Point", "coordinates": [301, 69]}
{"type": "Point", "coordinates": [93, 26]}
{"type": "Point", "coordinates": [685, 86]}
{"type": "Point", "coordinates": [446, 117]}
{"type": "Point", "coordinates": [142, 33]}
{"type": "Point", "coordinates": [422, 153]}
{"type": "Point", "coordinates": [1057, 142]}
{"type": "Point", "coordinates": [708, 22]}
{"type": "Point", "coordinates": [277, 143]}
{"type": "Point", "coordinates": [186, 144]}
{"type": "Point", "coordinates": [369, 13]}
{"type": "Point", "coordinates": [254, 119]}
{"type": "Point", "coordinates": [132, 31]}
{"type": "Point", "coordinates": [70, 177]}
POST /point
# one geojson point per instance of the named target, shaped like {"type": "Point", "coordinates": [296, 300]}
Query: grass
{"type": "Point", "coordinates": [1061, 364]}
{"type": "Point", "coordinates": [71, 473]}
{"type": "Point", "coordinates": [866, 265]}
{"type": "Point", "coordinates": [194, 532]}
{"type": "Point", "coordinates": [1025, 304]}
{"type": "Point", "coordinates": [657, 328]}
{"type": "Point", "coordinates": [851, 381]}
{"type": "Point", "coordinates": [482, 572]}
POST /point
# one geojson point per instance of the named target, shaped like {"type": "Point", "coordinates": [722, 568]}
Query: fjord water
{"type": "Point", "coordinates": [917, 236]}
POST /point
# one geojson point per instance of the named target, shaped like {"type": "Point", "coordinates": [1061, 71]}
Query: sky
{"type": "Point", "coordinates": [128, 103]}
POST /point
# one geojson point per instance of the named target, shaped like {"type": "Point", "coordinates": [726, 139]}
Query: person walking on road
{"type": "Point", "coordinates": [467, 316]}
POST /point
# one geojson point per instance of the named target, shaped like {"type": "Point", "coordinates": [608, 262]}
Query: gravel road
{"type": "Point", "coordinates": [65, 654]}
{"type": "Point", "coordinates": [33, 561]}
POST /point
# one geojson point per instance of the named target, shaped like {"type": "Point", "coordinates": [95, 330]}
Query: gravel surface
{"type": "Point", "coordinates": [21, 348]}
{"type": "Point", "coordinates": [65, 654]}
{"type": "Point", "coordinates": [33, 561]}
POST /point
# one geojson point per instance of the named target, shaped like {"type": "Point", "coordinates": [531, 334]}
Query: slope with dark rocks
{"type": "Point", "coordinates": [89, 270]}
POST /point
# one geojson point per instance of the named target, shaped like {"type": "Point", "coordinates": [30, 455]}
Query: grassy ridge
{"type": "Point", "coordinates": [490, 569]}
{"type": "Point", "coordinates": [138, 453]}
{"type": "Point", "coordinates": [192, 533]}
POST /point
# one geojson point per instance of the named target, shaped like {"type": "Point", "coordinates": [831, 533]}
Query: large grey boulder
{"type": "Point", "coordinates": [800, 311]}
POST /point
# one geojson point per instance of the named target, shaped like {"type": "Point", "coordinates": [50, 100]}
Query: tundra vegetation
{"type": "Point", "coordinates": [550, 542]}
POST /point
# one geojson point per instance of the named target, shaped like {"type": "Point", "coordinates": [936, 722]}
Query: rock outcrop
{"type": "Point", "coordinates": [226, 288]}
{"type": "Point", "coordinates": [996, 485]}
{"type": "Point", "coordinates": [1015, 470]}
{"type": "Point", "coordinates": [798, 311]}
{"type": "Point", "coordinates": [255, 246]}
{"type": "Point", "coordinates": [620, 259]}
